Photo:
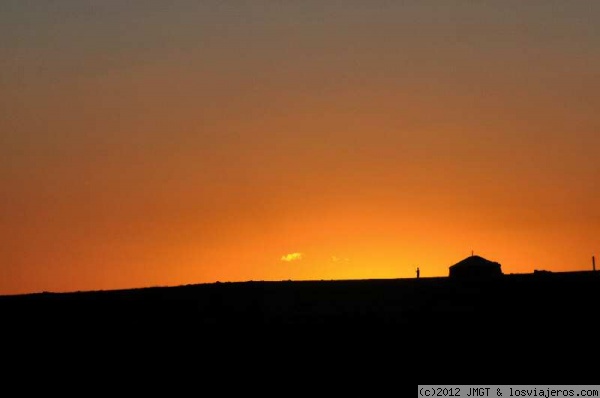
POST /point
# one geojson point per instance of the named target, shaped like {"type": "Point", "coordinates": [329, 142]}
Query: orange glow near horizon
{"type": "Point", "coordinates": [157, 146]}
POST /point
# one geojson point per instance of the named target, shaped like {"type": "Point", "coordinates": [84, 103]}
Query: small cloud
{"type": "Point", "coordinates": [291, 257]}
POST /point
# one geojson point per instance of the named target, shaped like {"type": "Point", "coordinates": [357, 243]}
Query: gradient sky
{"type": "Point", "coordinates": [154, 143]}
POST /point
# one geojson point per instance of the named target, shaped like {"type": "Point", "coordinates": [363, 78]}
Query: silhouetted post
{"type": "Point", "coordinates": [418, 272]}
{"type": "Point", "coordinates": [593, 263]}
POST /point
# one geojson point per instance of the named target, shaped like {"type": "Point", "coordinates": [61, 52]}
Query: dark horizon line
{"type": "Point", "coordinates": [129, 289]}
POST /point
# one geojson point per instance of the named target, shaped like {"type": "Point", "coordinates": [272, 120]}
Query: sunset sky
{"type": "Point", "coordinates": [155, 143]}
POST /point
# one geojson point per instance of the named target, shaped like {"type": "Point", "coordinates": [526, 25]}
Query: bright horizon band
{"type": "Point", "coordinates": [508, 390]}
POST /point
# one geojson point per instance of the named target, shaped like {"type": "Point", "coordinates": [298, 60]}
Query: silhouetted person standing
{"type": "Point", "coordinates": [418, 272]}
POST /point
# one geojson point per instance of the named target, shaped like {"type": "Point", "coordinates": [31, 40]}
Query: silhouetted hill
{"type": "Point", "coordinates": [523, 299]}
{"type": "Point", "coordinates": [438, 329]}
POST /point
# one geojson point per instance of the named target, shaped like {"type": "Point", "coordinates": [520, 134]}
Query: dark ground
{"type": "Point", "coordinates": [523, 299]}
{"type": "Point", "coordinates": [530, 328]}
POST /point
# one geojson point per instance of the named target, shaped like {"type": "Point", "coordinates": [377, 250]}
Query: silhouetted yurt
{"type": "Point", "coordinates": [475, 267]}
